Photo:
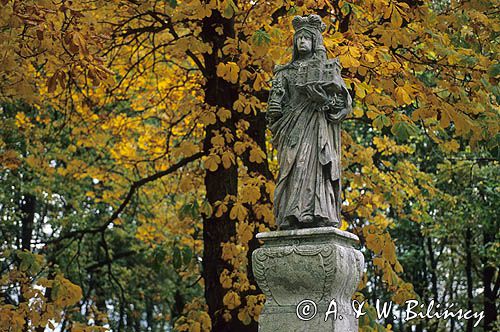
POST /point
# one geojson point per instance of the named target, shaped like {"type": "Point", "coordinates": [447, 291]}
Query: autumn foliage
{"type": "Point", "coordinates": [136, 167]}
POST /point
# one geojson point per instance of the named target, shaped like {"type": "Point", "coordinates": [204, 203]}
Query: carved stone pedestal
{"type": "Point", "coordinates": [298, 267]}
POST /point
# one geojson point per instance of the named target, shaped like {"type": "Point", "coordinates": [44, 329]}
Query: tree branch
{"type": "Point", "coordinates": [110, 260]}
{"type": "Point", "coordinates": [133, 188]}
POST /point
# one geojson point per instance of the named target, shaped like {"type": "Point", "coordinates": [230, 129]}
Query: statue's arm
{"type": "Point", "coordinates": [276, 98]}
{"type": "Point", "coordinates": [340, 107]}
{"type": "Point", "coordinates": [340, 104]}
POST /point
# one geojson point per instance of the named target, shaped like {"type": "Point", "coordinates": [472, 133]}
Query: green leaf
{"type": "Point", "coordinates": [494, 70]}
{"type": "Point", "coordinates": [56, 288]}
{"type": "Point", "coordinates": [25, 263]}
{"type": "Point", "coordinates": [292, 11]}
{"type": "Point", "coordinates": [189, 210]}
{"type": "Point", "coordinates": [177, 262]}
{"type": "Point", "coordinates": [187, 255]}
{"type": "Point", "coordinates": [261, 37]}
{"type": "Point", "coordinates": [346, 8]}
{"type": "Point", "coordinates": [404, 130]}
{"type": "Point", "coordinates": [381, 121]}
{"type": "Point", "coordinates": [230, 9]}
{"type": "Point", "coordinates": [29, 262]}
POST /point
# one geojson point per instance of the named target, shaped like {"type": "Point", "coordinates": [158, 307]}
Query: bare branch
{"type": "Point", "coordinates": [133, 188]}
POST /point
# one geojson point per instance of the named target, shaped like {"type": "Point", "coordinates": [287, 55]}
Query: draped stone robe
{"type": "Point", "coordinates": [307, 138]}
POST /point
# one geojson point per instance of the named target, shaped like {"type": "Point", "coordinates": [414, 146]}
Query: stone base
{"type": "Point", "coordinates": [298, 267]}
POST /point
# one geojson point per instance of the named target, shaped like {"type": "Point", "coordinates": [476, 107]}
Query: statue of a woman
{"type": "Point", "coordinates": [307, 102]}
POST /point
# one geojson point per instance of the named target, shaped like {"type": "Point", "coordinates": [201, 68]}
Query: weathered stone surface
{"type": "Point", "coordinates": [308, 259]}
{"type": "Point", "coordinates": [307, 102]}
{"type": "Point", "coordinates": [317, 264]}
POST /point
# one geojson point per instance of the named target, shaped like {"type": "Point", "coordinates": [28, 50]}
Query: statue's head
{"type": "Point", "coordinates": [307, 37]}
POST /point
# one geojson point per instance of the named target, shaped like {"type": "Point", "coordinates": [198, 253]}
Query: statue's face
{"type": "Point", "coordinates": [304, 42]}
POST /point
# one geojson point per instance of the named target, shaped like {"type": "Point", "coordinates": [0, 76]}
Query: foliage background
{"type": "Point", "coordinates": [136, 167]}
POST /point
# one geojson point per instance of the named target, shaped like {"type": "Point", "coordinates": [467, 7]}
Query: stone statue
{"type": "Point", "coordinates": [307, 102]}
{"type": "Point", "coordinates": [308, 266]}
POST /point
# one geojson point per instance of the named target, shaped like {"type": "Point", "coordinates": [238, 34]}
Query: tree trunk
{"type": "Point", "coordinates": [220, 183]}
{"type": "Point", "coordinates": [27, 207]}
{"type": "Point", "coordinates": [433, 267]}
{"type": "Point", "coordinates": [490, 286]}
{"type": "Point", "coordinates": [258, 134]}
{"type": "Point", "coordinates": [468, 273]}
{"type": "Point", "coordinates": [452, 293]}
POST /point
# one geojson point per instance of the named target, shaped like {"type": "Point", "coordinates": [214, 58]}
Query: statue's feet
{"type": "Point", "coordinates": [288, 223]}
{"type": "Point", "coordinates": [307, 220]}
{"type": "Point", "coordinates": [310, 221]}
{"type": "Point", "coordinates": [322, 222]}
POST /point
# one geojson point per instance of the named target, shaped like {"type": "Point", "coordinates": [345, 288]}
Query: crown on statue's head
{"type": "Point", "coordinates": [309, 23]}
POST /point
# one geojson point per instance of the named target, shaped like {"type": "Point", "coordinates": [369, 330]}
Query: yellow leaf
{"type": "Point", "coordinates": [389, 251]}
{"type": "Point", "coordinates": [223, 114]}
{"type": "Point", "coordinates": [228, 71]}
{"type": "Point", "coordinates": [225, 280]}
{"type": "Point", "coordinates": [206, 322]}
{"type": "Point", "coordinates": [250, 194]}
{"type": "Point", "coordinates": [360, 91]}
{"type": "Point", "coordinates": [227, 159]}
{"type": "Point", "coordinates": [212, 162]}
{"type": "Point", "coordinates": [358, 112]}
{"type": "Point", "coordinates": [238, 211]}
{"type": "Point", "coordinates": [239, 148]}
{"type": "Point", "coordinates": [188, 148]}
{"type": "Point", "coordinates": [64, 292]}
{"type": "Point", "coordinates": [231, 300]}
{"type": "Point", "coordinates": [208, 118]}
{"type": "Point", "coordinates": [453, 58]}
{"type": "Point", "coordinates": [451, 146]}
{"type": "Point", "coordinates": [80, 41]}
{"type": "Point", "coordinates": [52, 83]}
{"type": "Point", "coordinates": [10, 159]}
{"type": "Point", "coordinates": [375, 243]}
{"type": "Point", "coordinates": [348, 61]}
{"type": "Point", "coordinates": [372, 114]}
{"type": "Point", "coordinates": [217, 140]}
{"type": "Point", "coordinates": [463, 122]}
{"type": "Point", "coordinates": [244, 317]}
{"type": "Point", "coordinates": [258, 83]}
{"type": "Point", "coordinates": [245, 232]}
{"type": "Point", "coordinates": [239, 105]}
{"type": "Point", "coordinates": [221, 208]}
{"type": "Point", "coordinates": [354, 51]}
{"type": "Point", "coordinates": [369, 57]}
{"type": "Point", "coordinates": [186, 184]}
{"type": "Point", "coordinates": [388, 10]}
{"type": "Point", "coordinates": [444, 120]}
{"type": "Point", "coordinates": [21, 119]}
{"type": "Point", "coordinates": [343, 225]}
{"type": "Point", "coordinates": [227, 316]}
{"type": "Point", "coordinates": [398, 268]}
{"type": "Point", "coordinates": [396, 19]}
{"type": "Point", "coordinates": [402, 96]}
{"type": "Point", "coordinates": [233, 72]}
{"type": "Point", "coordinates": [196, 327]}
{"type": "Point", "coordinates": [257, 155]}
{"type": "Point", "coordinates": [379, 262]}
{"type": "Point", "coordinates": [229, 251]}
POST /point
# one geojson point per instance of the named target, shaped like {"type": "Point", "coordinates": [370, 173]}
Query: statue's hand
{"type": "Point", "coordinates": [316, 93]}
{"type": "Point", "coordinates": [332, 88]}
{"type": "Point", "coordinates": [337, 117]}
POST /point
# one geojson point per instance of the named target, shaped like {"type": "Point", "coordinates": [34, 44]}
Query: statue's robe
{"type": "Point", "coordinates": [307, 139]}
